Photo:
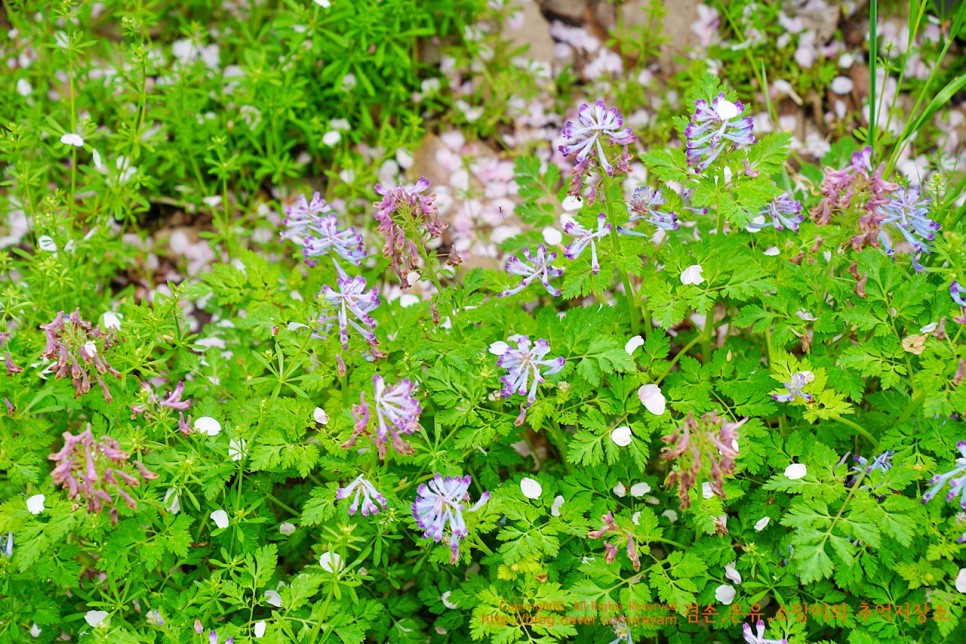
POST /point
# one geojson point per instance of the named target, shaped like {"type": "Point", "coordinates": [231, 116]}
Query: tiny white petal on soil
{"type": "Point", "coordinates": [260, 629]}
{"type": "Point", "coordinates": [961, 580]}
{"type": "Point", "coordinates": [620, 490]}
{"type": "Point", "coordinates": [552, 236]}
{"type": "Point", "coordinates": [671, 515]}
{"type": "Point", "coordinates": [95, 617]}
{"type": "Point", "coordinates": [692, 275]}
{"type": "Point", "coordinates": [762, 523]}
{"type": "Point", "coordinates": [286, 528]}
{"type": "Point", "coordinates": [274, 599]}
{"type": "Point", "coordinates": [72, 139]}
{"type": "Point", "coordinates": [446, 602]}
{"type": "Point", "coordinates": [732, 573]}
{"type": "Point", "coordinates": [320, 416]}
{"type": "Point", "coordinates": [652, 399]}
{"type": "Point", "coordinates": [706, 490]}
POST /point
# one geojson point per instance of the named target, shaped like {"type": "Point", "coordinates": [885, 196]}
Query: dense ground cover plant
{"type": "Point", "coordinates": [702, 397]}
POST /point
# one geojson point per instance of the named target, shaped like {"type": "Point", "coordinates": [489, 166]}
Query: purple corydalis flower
{"type": "Point", "coordinates": [439, 504]}
{"type": "Point", "coordinates": [523, 365]}
{"type": "Point", "coordinates": [584, 238]}
{"type": "Point", "coordinates": [956, 478]}
{"type": "Point", "coordinates": [533, 269]}
{"type": "Point", "coordinates": [213, 638]}
{"type": "Point", "coordinates": [89, 468]}
{"type": "Point", "coordinates": [645, 205]}
{"type": "Point", "coordinates": [365, 493]}
{"type": "Point", "coordinates": [71, 345]}
{"type": "Point", "coordinates": [593, 124]}
{"type": "Point", "coordinates": [759, 638]}
{"type": "Point", "coordinates": [354, 304]}
{"type": "Point", "coordinates": [712, 442]}
{"type": "Point", "coordinates": [6, 545]}
{"type": "Point", "coordinates": [783, 212]}
{"type": "Point", "coordinates": [397, 412]}
{"type": "Point", "coordinates": [794, 388]}
{"type": "Point", "coordinates": [402, 206]}
{"type": "Point", "coordinates": [612, 548]}
{"type": "Point", "coordinates": [908, 212]}
{"type": "Point", "coordinates": [315, 227]}
{"type": "Point", "coordinates": [712, 126]}
{"type": "Point", "coordinates": [882, 462]}
{"type": "Point", "coordinates": [956, 292]}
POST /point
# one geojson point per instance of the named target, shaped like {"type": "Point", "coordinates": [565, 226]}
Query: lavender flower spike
{"type": "Point", "coordinates": [794, 388]}
{"type": "Point", "coordinates": [645, 206]}
{"type": "Point", "coordinates": [354, 305]}
{"type": "Point", "coordinates": [301, 216]}
{"type": "Point", "coordinates": [534, 268]}
{"type": "Point", "coordinates": [710, 128]}
{"type": "Point", "coordinates": [523, 365]}
{"type": "Point", "coordinates": [595, 123]}
{"type": "Point", "coordinates": [908, 212]}
{"type": "Point", "coordinates": [364, 492]}
{"type": "Point", "coordinates": [327, 239]}
{"type": "Point", "coordinates": [783, 211]}
{"type": "Point", "coordinates": [585, 238]}
{"type": "Point", "coordinates": [400, 208]}
{"type": "Point", "coordinates": [440, 504]}
{"type": "Point", "coordinates": [759, 638]}
{"type": "Point", "coordinates": [957, 486]}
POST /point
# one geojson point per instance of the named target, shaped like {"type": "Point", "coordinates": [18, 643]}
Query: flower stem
{"type": "Point", "coordinates": [628, 287]}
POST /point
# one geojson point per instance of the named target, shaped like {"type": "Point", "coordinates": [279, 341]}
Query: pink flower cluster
{"type": "Point", "coordinates": [72, 344]}
{"type": "Point", "coordinates": [710, 444]}
{"type": "Point", "coordinates": [93, 469]}
{"type": "Point", "coordinates": [610, 526]}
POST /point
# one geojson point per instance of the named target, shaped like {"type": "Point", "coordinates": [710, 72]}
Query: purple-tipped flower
{"type": "Point", "coordinates": [71, 344]}
{"type": "Point", "coordinates": [759, 638]}
{"type": "Point", "coordinates": [533, 269]}
{"type": "Point", "coordinates": [956, 478]}
{"type": "Point", "coordinates": [365, 494]}
{"type": "Point", "coordinates": [882, 462]}
{"type": "Point", "coordinates": [440, 504]}
{"type": "Point", "coordinates": [523, 365]}
{"type": "Point", "coordinates": [95, 469]}
{"type": "Point", "coordinates": [710, 444]}
{"type": "Point", "coordinates": [714, 127]}
{"type": "Point", "coordinates": [612, 548]}
{"type": "Point", "coordinates": [646, 205]}
{"type": "Point", "coordinates": [301, 216]}
{"type": "Point", "coordinates": [397, 412]}
{"type": "Point", "coordinates": [354, 304]}
{"type": "Point", "coordinates": [956, 292]}
{"type": "Point", "coordinates": [907, 211]}
{"type": "Point", "coordinates": [584, 238]}
{"type": "Point", "coordinates": [595, 123]}
{"type": "Point", "coordinates": [783, 212]}
{"type": "Point", "coordinates": [398, 213]}
{"type": "Point", "coordinates": [315, 227]}
{"type": "Point", "coordinates": [794, 388]}
{"type": "Point", "coordinates": [6, 545]}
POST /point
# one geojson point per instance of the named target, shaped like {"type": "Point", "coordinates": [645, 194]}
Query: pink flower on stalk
{"type": "Point", "coordinates": [584, 238]}
{"type": "Point", "coordinates": [612, 549]}
{"type": "Point", "coordinates": [440, 504]}
{"type": "Point", "coordinates": [759, 638]}
{"type": "Point", "coordinates": [365, 493]}
{"type": "Point", "coordinates": [397, 412]}
{"type": "Point", "coordinates": [71, 343]}
{"type": "Point", "coordinates": [354, 304]}
{"type": "Point", "coordinates": [839, 187]}
{"type": "Point", "coordinates": [400, 209]}
{"type": "Point", "coordinates": [93, 469]}
{"type": "Point", "coordinates": [173, 401]}
{"type": "Point", "coordinates": [533, 269]}
{"type": "Point", "coordinates": [709, 445]}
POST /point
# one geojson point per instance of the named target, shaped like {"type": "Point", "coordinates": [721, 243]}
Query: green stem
{"type": "Point", "coordinates": [628, 287]}
{"type": "Point", "coordinates": [862, 431]}
{"type": "Point", "coordinates": [873, 61]}
{"type": "Point", "coordinates": [708, 329]}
